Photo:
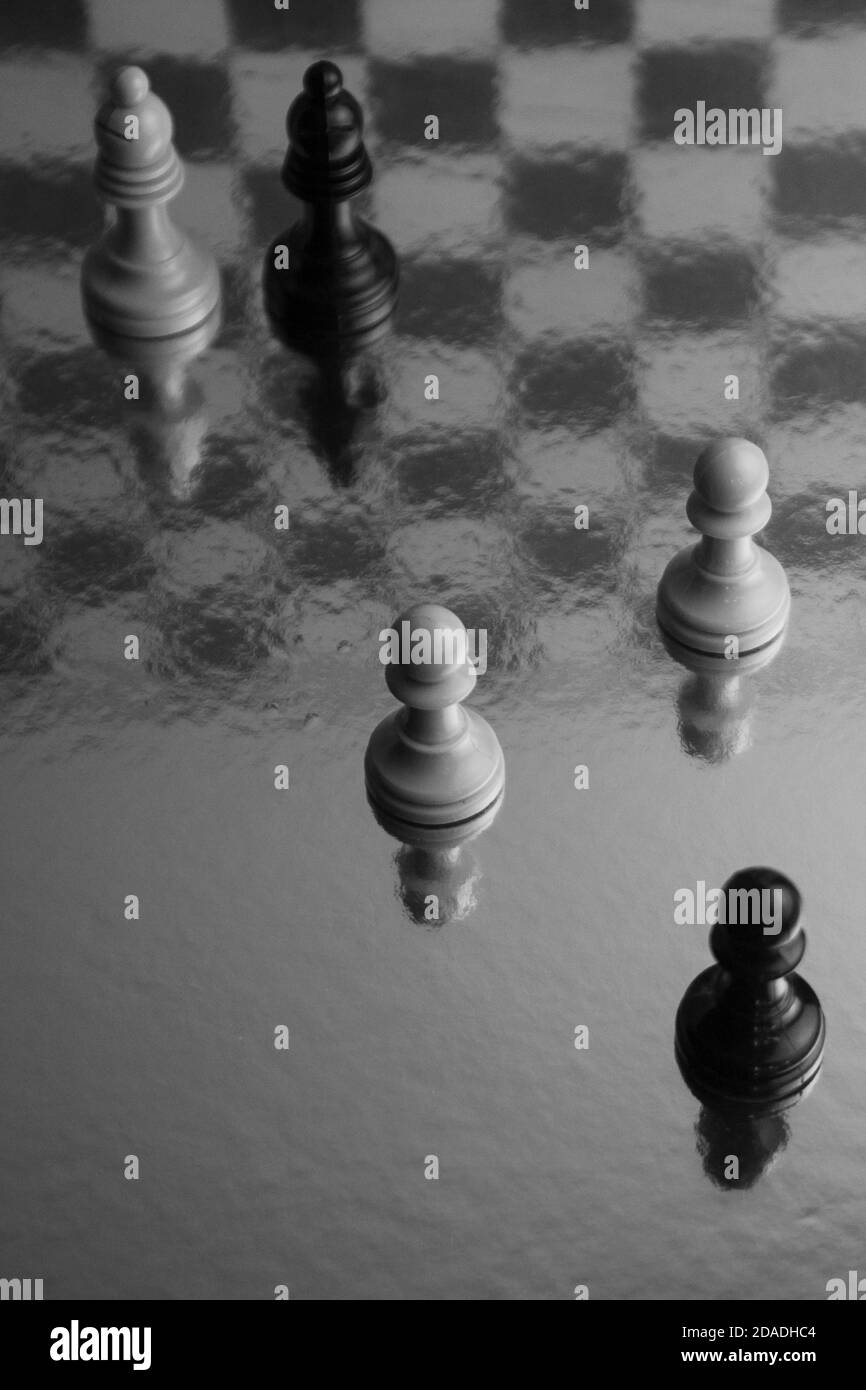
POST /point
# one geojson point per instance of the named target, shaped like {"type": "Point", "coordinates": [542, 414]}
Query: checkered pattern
{"type": "Point", "coordinates": [557, 386]}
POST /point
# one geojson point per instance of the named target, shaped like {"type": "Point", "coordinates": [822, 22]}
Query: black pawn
{"type": "Point", "coordinates": [337, 292]}
{"type": "Point", "coordinates": [750, 1032]}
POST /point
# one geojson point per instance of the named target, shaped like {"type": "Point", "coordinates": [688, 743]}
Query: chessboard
{"type": "Point", "coordinates": [559, 387]}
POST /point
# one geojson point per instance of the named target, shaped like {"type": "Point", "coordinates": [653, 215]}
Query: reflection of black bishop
{"type": "Point", "coordinates": [340, 398]}
{"type": "Point", "coordinates": [330, 281]}
{"type": "Point", "coordinates": [749, 1031]}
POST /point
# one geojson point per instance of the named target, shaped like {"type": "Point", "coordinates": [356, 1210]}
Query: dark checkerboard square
{"type": "Point", "coordinates": [443, 472]}
{"type": "Point", "coordinates": [723, 75]}
{"type": "Point", "coordinates": [310, 24]}
{"type": "Point", "coordinates": [824, 369]}
{"type": "Point", "coordinates": [327, 550]}
{"type": "Point", "coordinates": [86, 562]}
{"type": "Point", "coordinates": [23, 642]}
{"type": "Point", "coordinates": [542, 23]}
{"type": "Point", "coordinates": [586, 195]}
{"type": "Point", "coordinates": [216, 633]}
{"type": "Point", "coordinates": [43, 23]}
{"type": "Point", "coordinates": [461, 94]}
{"type": "Point", "coordinates": [587, 386]}
{"type": "Point", "coordinates": [699, 287]}
{"type": "Point", "coordinates": [61, 201]}
{"type": "Point", "coordinates": [459, 301]}
{"type": "Point", "coordinates": [272, 209]}
{"type": "Point", "coordinates": [820, 185]}
{"type": "Point", "coordinates": [799, 538]}
{"type": "Point", "coordinates": [670, 462]}
{"type": "Point", "coordinates": [73, 388]}
{"type": "Point", "coordinates": [812, 18]}
{"type": "Point", "coordinates": [559, 553]}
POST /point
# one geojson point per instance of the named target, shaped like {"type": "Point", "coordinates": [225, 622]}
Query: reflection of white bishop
{"type": "Point", "coordinates": [169, 407]}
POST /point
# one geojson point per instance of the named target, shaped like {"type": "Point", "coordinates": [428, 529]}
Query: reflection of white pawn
{"type": "Point", "coordinates": [726, 586]}
{"type": "Point", "coordinates": [434, 763]}
{"type": "Point", "coordinates": [145, 278]}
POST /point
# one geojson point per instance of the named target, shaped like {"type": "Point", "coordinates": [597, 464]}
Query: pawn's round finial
{"type": "Point", "coordinates": [730, 490]}
{"type": "Point", "coordinates": [749, 1031]}
{"type": "Point", "coordinates": [130, 86]}
{"type": "Point", "coordinates": [731, 474]}
{"type": "Point", "coordinates": [433, 764]}
{"type": "Point", "coordinates": [767, 917]}
{"type": "Point", "coordinates": [433, 669]}
{"type": "Point", "coordinates": [726, 587]}
{"type": "Point", "coordinates": [432, 619]}
{"type": "Point", "coordinates": [323, 80]}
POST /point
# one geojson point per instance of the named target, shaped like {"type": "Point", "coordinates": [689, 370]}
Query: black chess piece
{"type": "Point", "coordinates": [749, 1031]}
{"type": "Point", "coordinates": [330, 281]}
{"type": "Point", "coordinates": [340, 401]}
{"type": "Point", "coordinates": [145, 278]}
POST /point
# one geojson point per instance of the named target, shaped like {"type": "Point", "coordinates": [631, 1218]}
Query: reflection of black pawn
{"type": "Point", "coordinates": [434, 764]}
{"type": "Point", "coordinates": [145, 278]}
{"type": "Point", "coordinates": [725, 586]}
{"type": "Point", "coordinates": [755, 1141]}
{"type": "Point", "coordinates": [339, 288]}
{"type": "Point", "coordinates": [750, 1032]}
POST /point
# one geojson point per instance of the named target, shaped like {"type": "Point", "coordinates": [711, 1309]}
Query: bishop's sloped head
{"type": "Point", "coordinates": [137, 162]}
{"type": "Point", "coordinates": [138, 144]}
{"type": "Point", "coordinates": [325, 124]}
{"type": "Point", "coordinates": [730, 489]}
{"type": "Point", "coordinates": [448, 676]}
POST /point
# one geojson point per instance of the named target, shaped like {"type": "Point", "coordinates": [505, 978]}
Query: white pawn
{"type": "Point", "coordinates": [726, 586]}
{"type": "Point", "coordinates": [433, 764]}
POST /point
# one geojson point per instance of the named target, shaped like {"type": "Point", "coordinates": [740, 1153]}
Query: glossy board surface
{"type": "Point", "coordinates": [559, 387]}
